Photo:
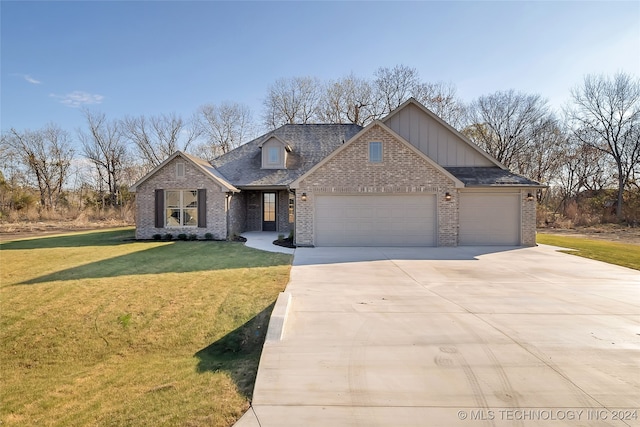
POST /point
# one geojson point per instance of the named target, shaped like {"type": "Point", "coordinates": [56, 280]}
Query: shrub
{"type": "Point", "coordinates": [208, 236]}
{"type": "Point", "coordinates": [182, 236]}
{"type": "Point", "coordinates": [193, 236]}
{"type": "Point", "coordinates": [157, 236]}
{"type": "Point", "coordinates": [168, 236]}
{"type": "Point", "coordinates": [280, 237]}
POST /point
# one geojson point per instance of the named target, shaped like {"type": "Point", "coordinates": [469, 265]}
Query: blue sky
{"type": "Point", "coordinates": [147, 58]}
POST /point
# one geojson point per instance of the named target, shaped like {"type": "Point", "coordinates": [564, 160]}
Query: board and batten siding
{"type": "Point", "coordinates": [434, 139]}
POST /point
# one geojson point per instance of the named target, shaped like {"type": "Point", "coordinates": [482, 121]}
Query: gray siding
{"type": "Point", "coordinates": [435, 140]}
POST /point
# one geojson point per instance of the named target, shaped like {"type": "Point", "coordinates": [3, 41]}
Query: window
{"type": "Point", "coordinates": [375, 152]}
{"type": "Point", "coordinates": [273, 155]}
{"type": "Point", "coordinates": [181, 208]}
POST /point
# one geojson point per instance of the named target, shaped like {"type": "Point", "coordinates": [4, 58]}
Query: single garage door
{"type": "Point", "coordinates": [375, 220]}
{"type": "Point", "coordinates": [489, 219]}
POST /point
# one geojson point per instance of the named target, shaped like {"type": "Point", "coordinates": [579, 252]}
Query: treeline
{"type": "Point", "coordinates": [588, 153]}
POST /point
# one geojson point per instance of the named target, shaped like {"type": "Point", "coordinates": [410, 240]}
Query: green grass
{"type": "Point", "coordinates": [624, 254]}
{"type": "Point", "coordinates": [98, 329]}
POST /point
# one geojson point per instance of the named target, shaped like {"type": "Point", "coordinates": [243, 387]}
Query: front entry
{"type": "Point", "coordinates": [268, 211]}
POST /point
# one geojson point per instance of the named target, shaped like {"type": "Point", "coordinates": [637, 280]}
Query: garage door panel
{"type": "Point", "coordinates": [375, 220]}
{"type": "Point", "coordinates": [489, 219]}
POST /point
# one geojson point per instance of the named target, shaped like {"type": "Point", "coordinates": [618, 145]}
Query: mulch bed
{"type": "Point", "coordinates": [285, 243]}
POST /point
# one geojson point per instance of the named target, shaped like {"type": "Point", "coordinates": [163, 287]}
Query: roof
{"type": "Point", "coordinates": [490, 177]}
{"type": "Point", "coordinates": [199, 163]}
{"type": "Point", "coordinates": [310, 143]}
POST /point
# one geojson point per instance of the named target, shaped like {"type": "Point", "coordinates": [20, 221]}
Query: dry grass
{"type": "Point", "coordinates": [97, 329]}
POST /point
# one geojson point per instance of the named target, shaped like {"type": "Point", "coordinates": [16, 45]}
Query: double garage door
{"type": "Point", "coordinates": [411, 220]}
{"type": "Point", "coordinates": [376, 220]}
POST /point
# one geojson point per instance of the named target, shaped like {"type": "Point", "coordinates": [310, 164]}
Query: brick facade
{"type": "Point", "coordinates": [402, 170]}
{"type": "Point", "coordinates": [528, 220]}
{"type": "Point", "coordinates": [166, 179]}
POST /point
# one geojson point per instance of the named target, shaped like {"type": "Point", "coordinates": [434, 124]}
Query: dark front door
{"type": "Point", "coordinates": [268, 211]}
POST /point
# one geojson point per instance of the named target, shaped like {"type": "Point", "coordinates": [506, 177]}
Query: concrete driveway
{"type": "Point", "coordinates": [451, 337]}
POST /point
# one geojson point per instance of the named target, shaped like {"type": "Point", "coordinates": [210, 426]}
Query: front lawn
{"type": "Point", "coordinates": [97, 329]}
{"type": "Point", "coordinates": [624, 254]}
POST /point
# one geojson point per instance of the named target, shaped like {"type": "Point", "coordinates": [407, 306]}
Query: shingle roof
{"type": "Point", "coordinates": [489, 177]}
{"type": "Point", "coordinates": [310, 144]}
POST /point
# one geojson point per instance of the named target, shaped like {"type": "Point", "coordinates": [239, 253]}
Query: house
{"type": "Point", "coordinates": [408, 179]}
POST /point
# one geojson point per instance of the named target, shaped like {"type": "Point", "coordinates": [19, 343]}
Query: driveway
{"type": "Point", "coordinates": [451, 337]}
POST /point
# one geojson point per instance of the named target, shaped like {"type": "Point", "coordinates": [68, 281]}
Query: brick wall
{"type": "Point", "coordinates": [528, 220]}
{"type": "Point", "coordinates": [401, 171]}
{"type": "Point", "coordinates": [283, 213]}
{"type": "Point", "coordinates": [166, 179]}
{"type": "Point", "coordinates": [237, 214]}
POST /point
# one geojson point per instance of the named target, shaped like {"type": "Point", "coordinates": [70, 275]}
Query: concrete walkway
{"type": "Point", "coordinates": [451, 337]}
{"type": "Point", "coordinates": [263, 240]}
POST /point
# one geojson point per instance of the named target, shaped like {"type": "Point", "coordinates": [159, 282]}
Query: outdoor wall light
{"type": "Point", "coordinates": [447, 196]}
{"type": "Point", "coordinates": [529, 196]}
{"type": "Point", "coordinates": [303, 197]}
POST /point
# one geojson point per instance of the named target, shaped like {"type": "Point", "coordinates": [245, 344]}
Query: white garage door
{"type": "Point", "coordinates": [489, 219]}
{"type": "Point", "coordinates": [375, 220]}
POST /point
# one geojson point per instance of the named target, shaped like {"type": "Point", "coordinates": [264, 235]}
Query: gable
{"type": "Point", "coordinates": [402, 169]}
{"type": "Point", "coordinates": [181, 170]}
{"type": "Point", "coordinates": [435, 139]}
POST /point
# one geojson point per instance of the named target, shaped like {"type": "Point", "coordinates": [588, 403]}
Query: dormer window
{"type": "Point", "coordinates": [274, 153]}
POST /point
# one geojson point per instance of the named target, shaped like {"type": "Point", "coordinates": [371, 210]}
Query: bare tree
{"type": "Point", "coordinates": [47, 154]}
{"type": "Point", "coordinates": [582, 168]}
{"type": "Point", "coordinates": [157, 137]}
{"type": "Point", "coordinates": [105, 146]}
{"type": "Point", "coordinates": [545, 154]}
{"type": "Point", "coordinates": [224, 127]}
{"type": "Point", "coordinates": [348, 100]}
{"type": "Point", "coordinates": [292, 101]}
{"type": "Point", "coordinates": [606, 116]}
{"type": "Point", "coordinates": [507, 125]}
{"type": "Point", "coordinates": [393, 86]}
{"type": "Point", "coordinates": [441, 98]}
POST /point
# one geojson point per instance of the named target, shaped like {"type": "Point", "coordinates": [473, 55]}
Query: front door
{"type": "Point", "coordinates": [268, 211]}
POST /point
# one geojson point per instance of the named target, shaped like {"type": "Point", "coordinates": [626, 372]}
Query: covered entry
{"type": "Point", "coordinates": [375, 220]}
{"type": "Point", "coordinates": [489, 218]}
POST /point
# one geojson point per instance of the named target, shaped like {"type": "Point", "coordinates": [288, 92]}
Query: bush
{"type": "Point", "coordinates": [157, 236]}
{"type": "Point", "coordinates": [208, 236]}
{"type": "Point", "coordinates": [182, 236]}
{"type": "Point", "coordinates": [168, 236]}
{"type": "Point", "coordinates": [193, 236]}
{"type": "Point", "coordinates": [280, 237]}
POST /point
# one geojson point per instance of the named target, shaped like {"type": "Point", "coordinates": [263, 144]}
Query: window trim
{"type": "Point", "coordinates": [371, 159]}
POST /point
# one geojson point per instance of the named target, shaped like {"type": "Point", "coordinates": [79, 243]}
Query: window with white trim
{"type": "Point", "coordinates": [181, 208]}
{"type": "Point", "coordinates": [375, 152]}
